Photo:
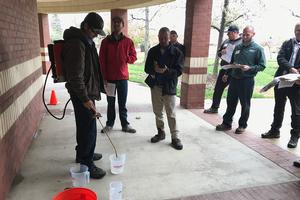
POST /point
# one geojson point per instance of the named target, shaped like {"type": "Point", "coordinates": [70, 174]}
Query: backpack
{"type": "Point", "coordinates": [54, 52]}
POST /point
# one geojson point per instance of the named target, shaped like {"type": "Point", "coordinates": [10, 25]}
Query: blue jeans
{"type": "Point", "coordinates": [86, 132]}
{"type": "Point", "coordinates": [239, 89]}
{"type": "Point", "coordinates": [122, 90]}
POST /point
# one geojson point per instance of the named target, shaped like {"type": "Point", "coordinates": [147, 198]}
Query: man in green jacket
{"type": "Point", "coordinates": [248, 59]}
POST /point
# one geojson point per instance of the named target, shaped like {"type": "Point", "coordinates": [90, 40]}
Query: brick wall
{"type": "Point", "coordinates": [20, 85]}
{"type": "Point", "coordinates": [123, 14]}
{"type": "Point", "coordinates": [196, 41]}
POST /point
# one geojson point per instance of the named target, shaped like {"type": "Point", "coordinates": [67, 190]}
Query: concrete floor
{"type": "Point", "coordinates": [210, 161]}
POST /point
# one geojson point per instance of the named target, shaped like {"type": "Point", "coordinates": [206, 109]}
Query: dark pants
{"type": "Point", "coordinates": [122, 90]}
{"type": "Point", "coordinates": [280, 96]}
{"type": "Point", "coordinates": [86, 132]}
{"type": "Point", "coordinates": [219, 89]}
{"type": "Point", "coordinates": [293, 94]}
{"type": "Point", "coordinates": [239, 89]}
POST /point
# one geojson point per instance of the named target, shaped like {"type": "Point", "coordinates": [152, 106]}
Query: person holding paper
{"type": "Point", "coordinates": [164, 64]}
{"type": "Point", "coordinates": [225, 53]}
{"type": "Point", "coordinates": [251, 59]}
{"type": "Point", "coordinates": [116, 51]}
{"type": "Point", "coordinates": [289, 62]}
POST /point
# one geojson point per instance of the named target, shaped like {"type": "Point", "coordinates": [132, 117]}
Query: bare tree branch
{"type": "Point", "coordinates": [233, 20]}
{"type": "Point", "coordinates": [137, 18]}
{"type": "Point", "coordinates": [155, 13]}
{"type": "Point", "coordinates": [215, 27]}
{"type": "Point", "coordinates": [294, 14]}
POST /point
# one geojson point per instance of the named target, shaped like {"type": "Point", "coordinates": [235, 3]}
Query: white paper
{"type": "Point", "coordinates": [269, 85]}
{"type": "Point", "coordinates": [110, 89]}
{"type": "Point", "coordinates": [229, 50]}
{"type": "Point", "coordinates": [231, 66]}
{"type": "Point", "coordinates": [286, 80]}
{"type": "Point", "coordinates": [284, 84]}
{"type": "Point", "coordinates": [290, 77]}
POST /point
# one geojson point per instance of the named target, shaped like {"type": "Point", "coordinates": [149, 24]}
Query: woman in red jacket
{"type": "Point", "coordinates": [116, 52]}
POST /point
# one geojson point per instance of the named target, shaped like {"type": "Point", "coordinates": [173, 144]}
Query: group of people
{"type": "Point", "coordinates": [88, 74]}
{"type": "Point", "coordinates": [247, 59]}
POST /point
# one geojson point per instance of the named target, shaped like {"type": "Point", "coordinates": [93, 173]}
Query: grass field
{"type": "Point", "coordinates": [138, 75]}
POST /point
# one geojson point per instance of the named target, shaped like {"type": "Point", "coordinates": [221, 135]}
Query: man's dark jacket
{"type": "Point", "coordinates": [81, 64]}
{"type": "Point", "coordinates": [174, 62]}
{"type": "Point", "coordinates": [284, 56]}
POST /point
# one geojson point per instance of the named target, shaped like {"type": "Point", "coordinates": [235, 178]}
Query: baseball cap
{"type": "Point", "coordinates": [233, 28]}
{"type": "Point", "coordinates": [96, 22]}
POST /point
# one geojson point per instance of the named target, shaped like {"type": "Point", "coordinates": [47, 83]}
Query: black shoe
{"type": "Point", "coordinates": [240, 130]}
{"type": "Point", "coordinates": [97, 156]}
{"type": "Point", "coordinates": [176, 144]}
{"type": "Point", "coordinates": [161, 135]}
{"type": "Point", "coordinates": [270, 135]}
{"type": "Point", "coordinates": [297, 163]}
{"type": "Point", "coordinates": [128, 129]}
{"type": "Point", "coordinates": [211, 111]}
{"type": "Point", "coordinates": [96, 172]}
{"type": "Point", "coordinates": [106, 129]}
{"type": "Point", "coordinates": [293, 142]}
{"type": "Point", "coordinates": [223, 127]}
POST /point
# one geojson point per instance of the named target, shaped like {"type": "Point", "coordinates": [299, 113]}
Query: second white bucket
{"type": "Point", "coordinates": [117, 163]}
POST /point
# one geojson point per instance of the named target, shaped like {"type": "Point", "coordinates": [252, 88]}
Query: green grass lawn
{"type": "Point", "coordinates": [137, 74]}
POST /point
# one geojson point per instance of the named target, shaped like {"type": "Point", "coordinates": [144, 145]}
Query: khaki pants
{"type": "Point", "coordinates": [168, 102]}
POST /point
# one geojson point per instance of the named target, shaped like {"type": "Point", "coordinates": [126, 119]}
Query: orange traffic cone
{"type": "Point", "coordinates": [53, 99]}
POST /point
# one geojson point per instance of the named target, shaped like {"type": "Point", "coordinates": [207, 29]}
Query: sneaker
{"type": "Point", "coordinates": [211, 111]}
{"type": "Point", "coordinates": [106, 129]}
{"type": "Point", "coordinates": [161, 135]}
{"type": "Point", "coordinates": [293, 142]}
{"type": "Point", "coordinates": [223, 127]}
{"type": "Point", "coordinates": [128, 129]}
{"type": "Point", "coordinates": [176, 144]}
{"type": "Point", "coordinates": [96, 172]}
{"type": "Point", "coordinates": [297, 163]}
{"type": "Point", "coordinates": [97, 156]}
{"type": "Point", "coordinates": [270, 135]}
{"type": "Point", "coordinates": [240, 130]}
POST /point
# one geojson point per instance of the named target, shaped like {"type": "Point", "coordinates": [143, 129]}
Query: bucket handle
{"type": "Point", "coordinates": [87, 174]}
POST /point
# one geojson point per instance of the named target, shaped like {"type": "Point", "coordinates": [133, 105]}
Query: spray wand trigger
{"type": "Point", "coordinates": [98, 115]}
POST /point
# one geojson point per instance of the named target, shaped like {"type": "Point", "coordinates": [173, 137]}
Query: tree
{"type": "Point", "coordinates": [232, 11]}
{"type": "Point", "coordinates": [294, 14]}
{"type": "Point", "coordinates": [56, 30]}
{"type": "Point", "coordinates": [147, 19]}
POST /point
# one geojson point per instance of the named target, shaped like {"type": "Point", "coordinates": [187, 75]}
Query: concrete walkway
{"type": "Point", "coordinates": [210, 161]}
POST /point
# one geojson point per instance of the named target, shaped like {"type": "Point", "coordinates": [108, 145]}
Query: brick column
{"type": "Point", "coordinates": [123, 14]}
{"type": "Point", "coordinates": [196, 41]}
{"type": "Point", "coordinates": [44, 40]}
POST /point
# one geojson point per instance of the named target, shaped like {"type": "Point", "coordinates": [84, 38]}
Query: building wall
{"type": "Point", "coordinates": [20, 85]}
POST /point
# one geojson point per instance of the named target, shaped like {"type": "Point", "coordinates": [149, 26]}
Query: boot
{"type": "Point", "coordinates": [161, 135]}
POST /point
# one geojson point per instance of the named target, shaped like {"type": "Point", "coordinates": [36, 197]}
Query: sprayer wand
{"type": "Point", "coordinates": [98, 115]}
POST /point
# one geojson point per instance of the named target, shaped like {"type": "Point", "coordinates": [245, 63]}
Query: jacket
{"type": "Point", "coordinates": [174, 61]}
{"type": "Point", "coordinates": [225, 44]}
{"type": "Point", "coordinates": [284, 56]}
{"type": "Point", "coordinates": [114, 56]}
{"type": "Point", "coordinates": [81, 66]}
{"type": "Point", "coordinates": [252, 55]}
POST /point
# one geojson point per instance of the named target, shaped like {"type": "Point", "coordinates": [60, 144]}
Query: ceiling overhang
{"type": "Point", "coordinates": [75, 6]}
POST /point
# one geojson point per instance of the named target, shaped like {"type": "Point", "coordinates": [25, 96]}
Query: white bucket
{"type": "Point", "coordinates": [117, 163]}
{"type": "Point", "coordinates": [80, 175]}
{"type": "Point", "coordinates": [115, 190]}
